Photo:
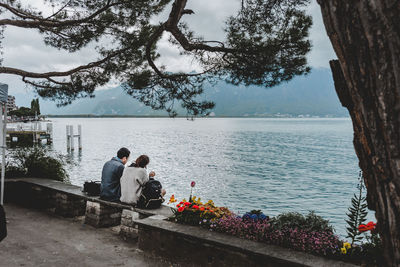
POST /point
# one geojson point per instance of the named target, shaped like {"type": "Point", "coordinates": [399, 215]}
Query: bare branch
{"type": "Point", "coordinates": [58, 11]}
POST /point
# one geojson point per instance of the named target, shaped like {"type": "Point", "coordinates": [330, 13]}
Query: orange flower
{"type": "Point", "coordinates": [202, 208]}
{"type": "Point", "coordinates": [181, 209]}
{"type": "Point", "coordinates": [172, 199]}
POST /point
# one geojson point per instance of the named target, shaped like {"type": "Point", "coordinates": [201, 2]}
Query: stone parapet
{"type": "Point", "coordinates": [102, 215]}
{"type": "Point", "coordinates": [194, 246]}
{"type": "Point", "coordinates": [63, 199]}
{"type": "Point", "coordinates": [129, 229]}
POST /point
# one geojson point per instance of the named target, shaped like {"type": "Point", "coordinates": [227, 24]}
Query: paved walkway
{"type": "Point", "coordinates": [37, 238]}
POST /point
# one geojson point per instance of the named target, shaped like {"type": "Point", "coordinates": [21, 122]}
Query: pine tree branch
{"type": "Point", "coordinates": [30, 21]}
{"type": "Point", "coordinates": [45, 75]}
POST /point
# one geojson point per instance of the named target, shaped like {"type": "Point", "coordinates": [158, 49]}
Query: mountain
{"type": "Point", "coordinates": [313, 94]}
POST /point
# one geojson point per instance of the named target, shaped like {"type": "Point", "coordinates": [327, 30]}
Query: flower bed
{"type": "Point", "coordinates": [311, 233]}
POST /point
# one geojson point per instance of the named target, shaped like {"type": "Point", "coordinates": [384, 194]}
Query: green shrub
{"type": "Point", "coordinates": [14, 171]}
{"type": "Point", "coordinates": [357, 212]}
{"type": "Point", "coordinates": [37, 162]}
{"type": "Point", "coordinates": [292, 220]}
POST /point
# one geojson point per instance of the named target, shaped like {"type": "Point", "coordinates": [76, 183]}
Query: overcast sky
{"type": "Point", "coordinates": [25, 49]}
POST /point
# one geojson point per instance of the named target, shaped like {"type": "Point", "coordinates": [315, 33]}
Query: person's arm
{"type": "Point", "coordinates": [120, 171]}
{"type": "Point", "coordinates": [143, 177]}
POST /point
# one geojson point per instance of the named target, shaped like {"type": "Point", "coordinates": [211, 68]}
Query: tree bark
{"type": "Point", "coordinates": [365, 35]}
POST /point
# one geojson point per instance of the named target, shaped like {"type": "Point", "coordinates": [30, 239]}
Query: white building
{"type": "Point", "coordinates": [11, 103]}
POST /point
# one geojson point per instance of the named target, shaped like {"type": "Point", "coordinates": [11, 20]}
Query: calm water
{"type": "Point", "coordinates": [276, 165]}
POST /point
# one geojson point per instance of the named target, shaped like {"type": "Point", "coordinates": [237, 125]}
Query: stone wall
{"type": "Point", "coordinates": [40, 195]}
{"type": "Point", "coordinates": [194, 246]}
{"type": "Point", "coordinates": [102, 215]}
{"type": "Point", "coordinates": [129, 229]}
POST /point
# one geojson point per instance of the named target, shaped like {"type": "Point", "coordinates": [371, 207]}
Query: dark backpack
{"type": "Point", "coordinates": [151, 198]}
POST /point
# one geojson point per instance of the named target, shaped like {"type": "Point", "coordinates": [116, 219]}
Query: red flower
{"type": "Point", "coordinates": [368, 227]}
{"type": "Point", "coordinates": [178, 205]}
{"type": "Point", "coordinates": [202, 208]}
{"type": "Point", "coordinates": [195, 207]}
{"type": "Point", "coordinates": [181, 209]}
{"type": "Point", "coordinates": [193, 183]}
{"type": "Point", "coordinates": [362, 228]}
{"type": "Point", "coordinates": [187, 203]}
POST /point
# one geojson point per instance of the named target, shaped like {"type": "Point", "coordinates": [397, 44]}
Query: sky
{"type": "Point", "coordinates": [25, 48]}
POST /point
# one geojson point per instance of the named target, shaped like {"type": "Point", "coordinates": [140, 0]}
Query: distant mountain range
{"type": "Point", "coordinates": [311, 95]}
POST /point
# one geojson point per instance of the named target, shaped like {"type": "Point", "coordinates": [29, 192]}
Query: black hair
{"type": "Point", "coordinates": [123, 152]}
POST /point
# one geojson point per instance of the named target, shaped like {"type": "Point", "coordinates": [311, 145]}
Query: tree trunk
{"type": "Point", "coordinates": [366, 37]}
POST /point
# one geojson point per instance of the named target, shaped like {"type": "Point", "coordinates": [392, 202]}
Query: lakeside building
{"type": "Point", "coordinates": [11, 103]}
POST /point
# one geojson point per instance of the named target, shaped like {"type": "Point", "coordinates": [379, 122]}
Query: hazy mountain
{"type": "Point", "coordinates": [313, 94]}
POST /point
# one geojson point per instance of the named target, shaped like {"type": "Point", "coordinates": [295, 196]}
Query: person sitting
{"type": "Point", "coordinates": [110, 188]}
{"type": "Point", "coordinates": [133, 180]}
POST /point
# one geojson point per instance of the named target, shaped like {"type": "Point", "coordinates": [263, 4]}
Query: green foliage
{"type": "Point", "coordinates": [357, 213]}
{"type": "Point", "coordinates": [36, 162]}
{"type": "Point", "coordinates": [14, 171]}
{"type": "Point", "coordinates": [368, 253]}
{"type": "Point", "coordinates": [27, 112]}
{"type": "Point", "coordinates": [292, 220]}
{"type": "Point", "coordinates": [274, 36]}
{"type": "Point", "coordinates": [35, 107]}
{"type": "Point", "coordinates": [22, 112]}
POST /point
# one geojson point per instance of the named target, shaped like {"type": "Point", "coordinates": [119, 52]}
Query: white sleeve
{"type": "Point", "coordinates": [143, 177]}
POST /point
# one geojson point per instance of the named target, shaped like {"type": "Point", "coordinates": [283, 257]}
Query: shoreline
{"type": "Point", "coordinates": [189, 118]}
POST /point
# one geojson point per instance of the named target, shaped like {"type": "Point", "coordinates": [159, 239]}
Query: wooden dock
{"type": "Point", "coordinates": [31, 134]}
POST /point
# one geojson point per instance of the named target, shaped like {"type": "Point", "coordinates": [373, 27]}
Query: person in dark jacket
{"type": "Point", "coordinates": [110, 188]}
{"type": "Point", "coordinates": [3, 224]}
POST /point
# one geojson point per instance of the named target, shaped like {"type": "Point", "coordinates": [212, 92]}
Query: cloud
{"type": "Point", "coordinates": [25, 48]}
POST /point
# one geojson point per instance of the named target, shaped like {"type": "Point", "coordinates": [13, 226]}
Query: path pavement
{"type": "Point", "coordinates": [37, 238]}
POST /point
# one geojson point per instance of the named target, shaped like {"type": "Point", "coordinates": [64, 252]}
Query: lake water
{"type": "Point", "coordinates": [276, 165]}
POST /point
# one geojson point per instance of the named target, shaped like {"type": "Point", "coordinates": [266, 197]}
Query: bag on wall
{"type": "Point", "coordinates": [92, 188]}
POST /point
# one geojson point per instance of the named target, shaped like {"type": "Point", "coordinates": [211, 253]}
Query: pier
{"type": "Point", "coordinates": [32, 133]}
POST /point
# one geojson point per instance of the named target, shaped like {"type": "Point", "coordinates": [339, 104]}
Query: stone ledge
{"type": "Point", "coordinates": [183, 243]}
{"type": "Point", "coordinates": [63, 199]}
{"type": "Point", "coordinates": [76, 191]}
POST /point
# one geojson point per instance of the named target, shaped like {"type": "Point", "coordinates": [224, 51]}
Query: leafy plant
{"type": "Point", "coordinates": [37, 162]}
{"type": "Point", "coordinates": [293, 220]}
{"type": "Point", "coordinates": [357, 212]}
